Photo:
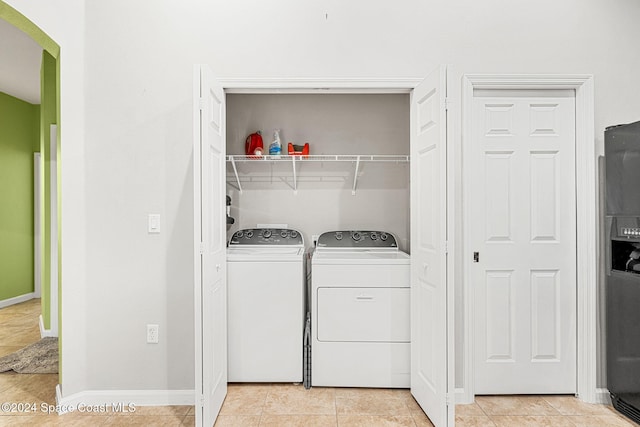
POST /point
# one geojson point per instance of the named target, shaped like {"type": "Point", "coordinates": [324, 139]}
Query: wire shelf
{"type": "Point", "coordinates": [294, 160]}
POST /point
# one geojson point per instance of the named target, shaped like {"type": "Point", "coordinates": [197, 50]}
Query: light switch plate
{"type": "Point", "coordinates": [154, 223]}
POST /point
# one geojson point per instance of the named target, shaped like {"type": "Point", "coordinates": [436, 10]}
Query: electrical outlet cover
{"type": "Point", "coordinates": [152, 334]}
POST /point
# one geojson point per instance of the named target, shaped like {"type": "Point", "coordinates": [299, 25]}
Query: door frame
{"type": "Point", "coordinates": [362, 86]}
{"type": "Point", "coordinates": [586, 221]}
{"type": "Point", "coordinates": [54, 232]}
{"type": "Point", "coordinates": [37, 231]}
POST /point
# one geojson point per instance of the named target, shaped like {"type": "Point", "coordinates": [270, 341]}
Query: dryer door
{"type": "Point", "coordinates": [363, 314]}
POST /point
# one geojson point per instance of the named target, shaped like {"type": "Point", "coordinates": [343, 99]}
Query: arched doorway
{"type": "Point", "coordinates": [49, 148]}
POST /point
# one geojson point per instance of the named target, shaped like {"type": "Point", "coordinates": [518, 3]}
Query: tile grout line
{"type": "Point", "coordinates": [184, 417]}
{"type": "Point", "coordinates": [544, 398]}
{"type": "Point", "coordinates": [264, 404]}
{"type": "Point", "coordinates": [335, 406]}
{"type": "Point", "coordinates": [413, 419]}
{"type": "Point", "coordinates": [482, 409]}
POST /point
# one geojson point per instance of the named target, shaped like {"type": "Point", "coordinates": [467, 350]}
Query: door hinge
{"type": "Point", "coordinates": [201, 248]}
{"type": "Point", "coordinates": [447, 103]}
{"type": "Point", "coordinates": [201, 103]}
{"type": "Point", "coordinates": [449, 398]}
{"type": "Point", "coordinates": [446, 246]}
{"type": "Point", "coordinates": [201, 399]}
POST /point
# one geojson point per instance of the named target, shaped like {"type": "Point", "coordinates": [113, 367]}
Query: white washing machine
{"type": "Point", "coordinates": [266, 295]}
{"type": "Point", "coordinates": [360, 332]}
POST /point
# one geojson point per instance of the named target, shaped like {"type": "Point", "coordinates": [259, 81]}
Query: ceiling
{"type": "Point", "coordinates": [20, 59]}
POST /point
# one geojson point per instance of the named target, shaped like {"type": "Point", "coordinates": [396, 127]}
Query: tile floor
{"type": "Point", "coordinates": [284, 404]}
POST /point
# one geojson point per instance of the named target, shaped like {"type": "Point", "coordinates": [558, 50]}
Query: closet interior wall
{"type": "Point", "coordinates": [332, 124]}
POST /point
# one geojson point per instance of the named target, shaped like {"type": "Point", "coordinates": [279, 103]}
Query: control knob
{"type": "Point", "coordinates": [374, 235]}
{"type": "Point", "coordinates": [294, 234]}
{"type": "Point", "coordinates": [338, 236]}
{"type": "Point", "coordinates": [266, 234]}
{"type": "Point", "coordinates": [283, 234]}
{"type": "Point", "coordinates": [249, 234]}
{"type": "Point", "coordinates": [383, 236]}
{"type": "Point", "coordinates": [356, 236]}
{"type": "Point", "coordinates": [239, 234]}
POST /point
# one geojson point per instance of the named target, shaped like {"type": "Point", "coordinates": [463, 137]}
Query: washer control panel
{"type": "Point", "coordinates": [625, 227]}
{"type": "Point", "coordinates": [357, 239]}
{"type": "Point", "coordinates": [267, 236]}
{"type": "Point", "coordinates": [630, 231]}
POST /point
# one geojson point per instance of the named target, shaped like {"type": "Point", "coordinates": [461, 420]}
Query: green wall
{"type": "Point", "coordinates": [19, 139]}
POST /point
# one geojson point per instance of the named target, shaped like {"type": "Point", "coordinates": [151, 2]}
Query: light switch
{"type": "Point", "coordinates": [154, 223]}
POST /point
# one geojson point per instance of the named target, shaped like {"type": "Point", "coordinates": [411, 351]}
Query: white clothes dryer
{"type": "Point", "coordinates": [266, 298]}
{"type": "Point", "coordinates": [360, 332]}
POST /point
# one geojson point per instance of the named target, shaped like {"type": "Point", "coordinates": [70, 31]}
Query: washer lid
{"type": "Point", "coordinates": [265, 253]}
{"type": "Point", "coordinates": [362, 256]}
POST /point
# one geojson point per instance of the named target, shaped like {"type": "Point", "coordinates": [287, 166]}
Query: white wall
{"type": "Point", "coordinates": [134, 153]}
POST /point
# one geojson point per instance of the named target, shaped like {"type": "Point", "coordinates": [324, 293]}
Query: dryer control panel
{"type": "Point", "coordinates": [357, 239]}
{"type": "Point", "coordinates": [267, 237]}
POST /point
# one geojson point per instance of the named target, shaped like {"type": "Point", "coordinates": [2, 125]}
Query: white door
{"type": "Point", "coordinates": [37, 212]}
{"type": "Point", "coordinates": [523, 228]}
{"type": "Point", "coordinates": [430, 379]}
{"type": "Point", "coordinates": [210, 247]}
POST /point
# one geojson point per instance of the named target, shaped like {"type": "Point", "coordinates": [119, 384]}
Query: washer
{"type": "Point", "coordinates": [266, 295]}
{"type": "Point", "coordinates": [360, 333]}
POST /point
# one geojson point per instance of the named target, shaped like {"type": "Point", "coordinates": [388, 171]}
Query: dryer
{"type": "Point", "coordinates": [266, 305]}
{"type": "Point", "coordinates": [360, 300]}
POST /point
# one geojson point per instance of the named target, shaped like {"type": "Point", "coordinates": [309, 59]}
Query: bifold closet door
{"type": "Point", "coordinates": [210, 246]}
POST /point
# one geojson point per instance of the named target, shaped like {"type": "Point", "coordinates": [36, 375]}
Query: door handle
{"type": "Point", "coordinates": [364, 298]}
{"type": "Point", "coordinates": [476, 257]}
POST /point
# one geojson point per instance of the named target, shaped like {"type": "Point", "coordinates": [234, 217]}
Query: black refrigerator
{"type": "Point", "coordinates": [622, 249]}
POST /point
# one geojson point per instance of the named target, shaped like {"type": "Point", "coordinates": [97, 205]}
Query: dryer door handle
{"type": "Point", "coordinates": [365, 298]}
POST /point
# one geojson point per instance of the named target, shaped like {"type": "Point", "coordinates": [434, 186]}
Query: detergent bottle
{"type": "Point", "coordinates": [275, 148]}
{"type": "Point", "coordinates": [253, 144]}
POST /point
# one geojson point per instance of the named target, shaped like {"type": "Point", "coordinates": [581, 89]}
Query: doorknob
{"type": "Point", "coordinates": [476, 257]}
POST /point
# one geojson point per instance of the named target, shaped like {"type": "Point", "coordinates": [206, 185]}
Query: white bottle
{"type": "Point", "coordinates": [275, 148]}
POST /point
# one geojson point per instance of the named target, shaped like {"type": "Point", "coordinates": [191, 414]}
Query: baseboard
{"type": "Point", "coordinates": [603, 396]}
{"type": "Point", "coordinates": [60, 410]}
{"type": "Point", "coordinates": [462, 397]}
{"type": "Point", "coordinates": [16, 300]}
{"type": "Point", "coordinates": [121, 400]}
{"type": "Point", "coordinates": [45, 332]}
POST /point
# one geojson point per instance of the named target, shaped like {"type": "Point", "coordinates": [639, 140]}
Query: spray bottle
{"type": "Point", "coordinates": [275, 148]}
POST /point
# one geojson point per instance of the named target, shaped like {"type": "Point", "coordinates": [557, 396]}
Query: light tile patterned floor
{"type": "Point", "coordinates": [292, 405]}
{"type": "Point", "coordinates": [249, 405]}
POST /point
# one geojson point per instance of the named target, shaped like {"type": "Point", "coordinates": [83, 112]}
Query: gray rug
{"type": "Point", "coordinates": [38, 358]}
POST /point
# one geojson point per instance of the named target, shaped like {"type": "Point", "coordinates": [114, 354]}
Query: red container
{"type": "Point", "coordinates": [298, 150]}
{"type": "Point", "coordinates": [253, 146]}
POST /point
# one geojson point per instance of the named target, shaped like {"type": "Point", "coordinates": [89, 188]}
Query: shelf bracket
{"type": "Point", "coordinates": [235, 171]}
{"type": "Point", "coordinates": [355, 176]}
{"type": "Point", "coordinates": [295, 178]}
